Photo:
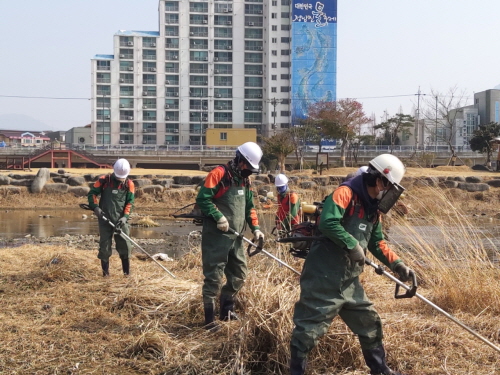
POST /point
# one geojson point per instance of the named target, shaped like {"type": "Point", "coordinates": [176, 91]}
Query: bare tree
{"type": "Point", "coordinates": [445, 109]}
{"type": "Point", "coordinates": [339, 120]}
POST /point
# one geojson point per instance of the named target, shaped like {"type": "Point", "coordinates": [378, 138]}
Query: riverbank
{"type": "Point", "coordinates": [60, 316]}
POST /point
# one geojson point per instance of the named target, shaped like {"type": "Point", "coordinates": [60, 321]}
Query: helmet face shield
{"type": "Point", "coordinates": [390, 197]}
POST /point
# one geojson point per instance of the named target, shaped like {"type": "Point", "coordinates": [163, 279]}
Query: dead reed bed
{"type": "Point", "coordinates": [59, 316]}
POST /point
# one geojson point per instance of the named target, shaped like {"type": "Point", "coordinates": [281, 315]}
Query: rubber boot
{"type": "Point", "coordinates": [227, 308]}
{"type": "Point", "coordinates": [375, 360]}
{"type": "Point", "coordinates": [210, 324]}
{"type": "Point", "coordinates": [297, 364]}
{"type": "Point", "coordinates": [105, 267]}
{"type": "Point", "coordinates": [126, 266]}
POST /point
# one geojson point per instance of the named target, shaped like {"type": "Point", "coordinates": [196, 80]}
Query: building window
{"type": "Point", "coordinates": [285, 64]}
{"type": "Point", "coordinates": [285, 88]}
{"type": "Point", "coordinates": [285, 52]}
{"type": "Point", "coordinates": [285, 76]}
{"type": "Point", "coordinates": [274, 53]}
{"type": "Point", "coordinates": [273, 89]}
{"type": "Point", "coordinates": [285, 15]}
{"type": "Point", "coordinates": [285, 40]}
{"type": "Point", "coordinates": [274, 65]}
{"type": "Point", "coordinates": [285, 113]}
{"type": "Point", "coordinates": [274, 15]}
{"type": "Point", "coordinates": [285, 27]}
{"type": "Point", "coordinates": [285, 2]}
{"type": "Point", "coordinates": [223, 136]}
{"type": "Point", "coordinates": [274, 3]}
{"type": "Point", "coordinates": [274, 40]}
{"type": "Point", "coordinates": [274, 27]}
{"type": "Point", "coordinates": [274, 77]}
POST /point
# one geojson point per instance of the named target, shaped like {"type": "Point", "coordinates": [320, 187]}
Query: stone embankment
{"type": "Point", "coordinates": [79, 185]}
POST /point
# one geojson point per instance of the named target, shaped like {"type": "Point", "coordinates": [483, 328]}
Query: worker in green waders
{"type": "Point", "coordinates": [226, 200]}
{"type": "Point", "coordinates": [329, 284]}
{"type": "Point", "coordinates": [112, 196]}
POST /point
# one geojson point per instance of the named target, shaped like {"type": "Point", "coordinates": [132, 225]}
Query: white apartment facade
{"type": "Point", "coordinates": [212, 64]}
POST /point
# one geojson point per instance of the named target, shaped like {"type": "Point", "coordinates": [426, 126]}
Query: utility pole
{"type": "Point", "coordinates": [436, 128]}
{"type": "Point", "coordinates": [274, 102]}
{"type": "Point", "coordinates": [417, 124]}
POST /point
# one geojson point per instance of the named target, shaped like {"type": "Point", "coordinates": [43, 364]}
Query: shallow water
{"type": "Point", "coordinates": [43, 223]}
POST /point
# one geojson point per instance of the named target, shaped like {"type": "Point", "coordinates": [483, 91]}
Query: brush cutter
{"type": "Point", "coordinates": [259, 249]}
{"type": "Point", "coordinates": [197, 216]}
{"type": "Point", "coordinates": [120, 232]}
{"type": "Point", "coordinates": [411, 291]}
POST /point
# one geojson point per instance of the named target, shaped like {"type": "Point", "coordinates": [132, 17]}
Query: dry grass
{"type": "Point", "coordinates": [60, 317]}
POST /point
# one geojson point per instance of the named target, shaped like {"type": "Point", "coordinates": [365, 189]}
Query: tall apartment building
{"type": "Point", "coordinates": [215, 64]}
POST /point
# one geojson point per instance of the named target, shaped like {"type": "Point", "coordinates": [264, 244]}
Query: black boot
{"type": "Point", "coordinates": [297, 364]}
{"type": "Point", "coordinates": [126, 266]}
{"type": "Point", "coordinates": [105, 267]}
{"type": "Point", "coordinates": [227, 308]}
{"type": "Point", "coordinates": [210, 323]}
{"type": "Point", "coordinates": [375, 360]}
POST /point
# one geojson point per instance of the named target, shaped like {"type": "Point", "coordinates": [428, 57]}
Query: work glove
{"type": "Point", "coordinates": [257, 235]}
{"type": "Point", "coordinates": [403, 272]}
{"type": "Point", "coordinates": [121, 222]}
{"type": "Point", "coordinates": [357, 255]}
{"type": "Point", "coordinates": [223, 224]}
{"type": "Point", "coordinates": [98, 212]}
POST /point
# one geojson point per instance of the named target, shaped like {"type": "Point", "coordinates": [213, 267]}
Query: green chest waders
{"type": "Point", "coordinates": [329, 287]}
{"type": "Point", "coordinates": [222, 252]}
{"type": "Point", "coordinates": [112, 203]}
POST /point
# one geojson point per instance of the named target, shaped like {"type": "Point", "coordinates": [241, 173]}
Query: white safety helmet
{"type": "Point", "coordinates": [280, 180]}
{"type": "Point", "coordinates": [251, 152]}
{"type": "Point", "coordinates": [390, 167]}
{"type": "Point", "coordinates": [121, 168]}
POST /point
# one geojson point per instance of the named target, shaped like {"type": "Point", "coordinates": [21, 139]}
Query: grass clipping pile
{"type": "Point", "coordinates": [59, 316]}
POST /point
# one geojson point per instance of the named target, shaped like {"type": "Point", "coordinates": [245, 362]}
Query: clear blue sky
{"type": "Point", "coordinates": [385, 48]}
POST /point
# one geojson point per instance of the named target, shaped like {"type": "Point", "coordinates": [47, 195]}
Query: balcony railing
{"type": "Point", "coordinates": [103, 80]}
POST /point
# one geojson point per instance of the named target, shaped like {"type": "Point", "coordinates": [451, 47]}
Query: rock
{"type": "Point", "coordinates": [91, 177]}
{"type": "Point", "coordinates": [494, 183]}
{"type": "Point", "coordinates": [76, 181]}
{"type": "Point", "coordinates": [56, 188]}
{"type": "Point", "coordinates": [152, 189]}
{"type": "Point", "coordinates": [471, 187]}
{"type": "Point", "coordinates": [166, 182]}
{"type": "Point", "coordinates": [177, 186]}
{"type": "Point", "coordinates": [4, 180]}
{"type": "Point", "coordinates": [61, 171]}
{"type": "Point", "coordinates": [40, 180]}
{"type": "Point", "coordinates": [59, 179]}
{"type": "Point", "coordinates": [79, 191]}
{"type": "Point", "coordinates": [21, 182]}
{"type": "Point", "coordinates": [460, 179]}
{"type": "Point", "coordinates": [449, 184]}
{"type": "Point", "coordinates": [140, 182]}
{"type": "Point", "coordinates": [183, 180]}
{"type": "Point", "coordinates": [293, 179]}
{"type": "Point", "coordinates": [473, 179]}
{"type": "Point", "coordinates": [480, 167]}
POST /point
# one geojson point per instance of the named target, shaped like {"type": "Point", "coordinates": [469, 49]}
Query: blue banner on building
{"type": "Point", "coordinates": [314, 55]}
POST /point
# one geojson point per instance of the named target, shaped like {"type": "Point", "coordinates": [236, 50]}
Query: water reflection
{"type": "Point", "coordinates": [43, 223]}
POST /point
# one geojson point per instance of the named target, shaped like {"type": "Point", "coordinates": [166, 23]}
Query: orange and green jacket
{"type": "Point", "coordinates": [217, 182]}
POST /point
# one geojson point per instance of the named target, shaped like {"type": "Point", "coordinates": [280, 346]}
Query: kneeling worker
{"type": "Point", "coordinates": [116, 201]}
